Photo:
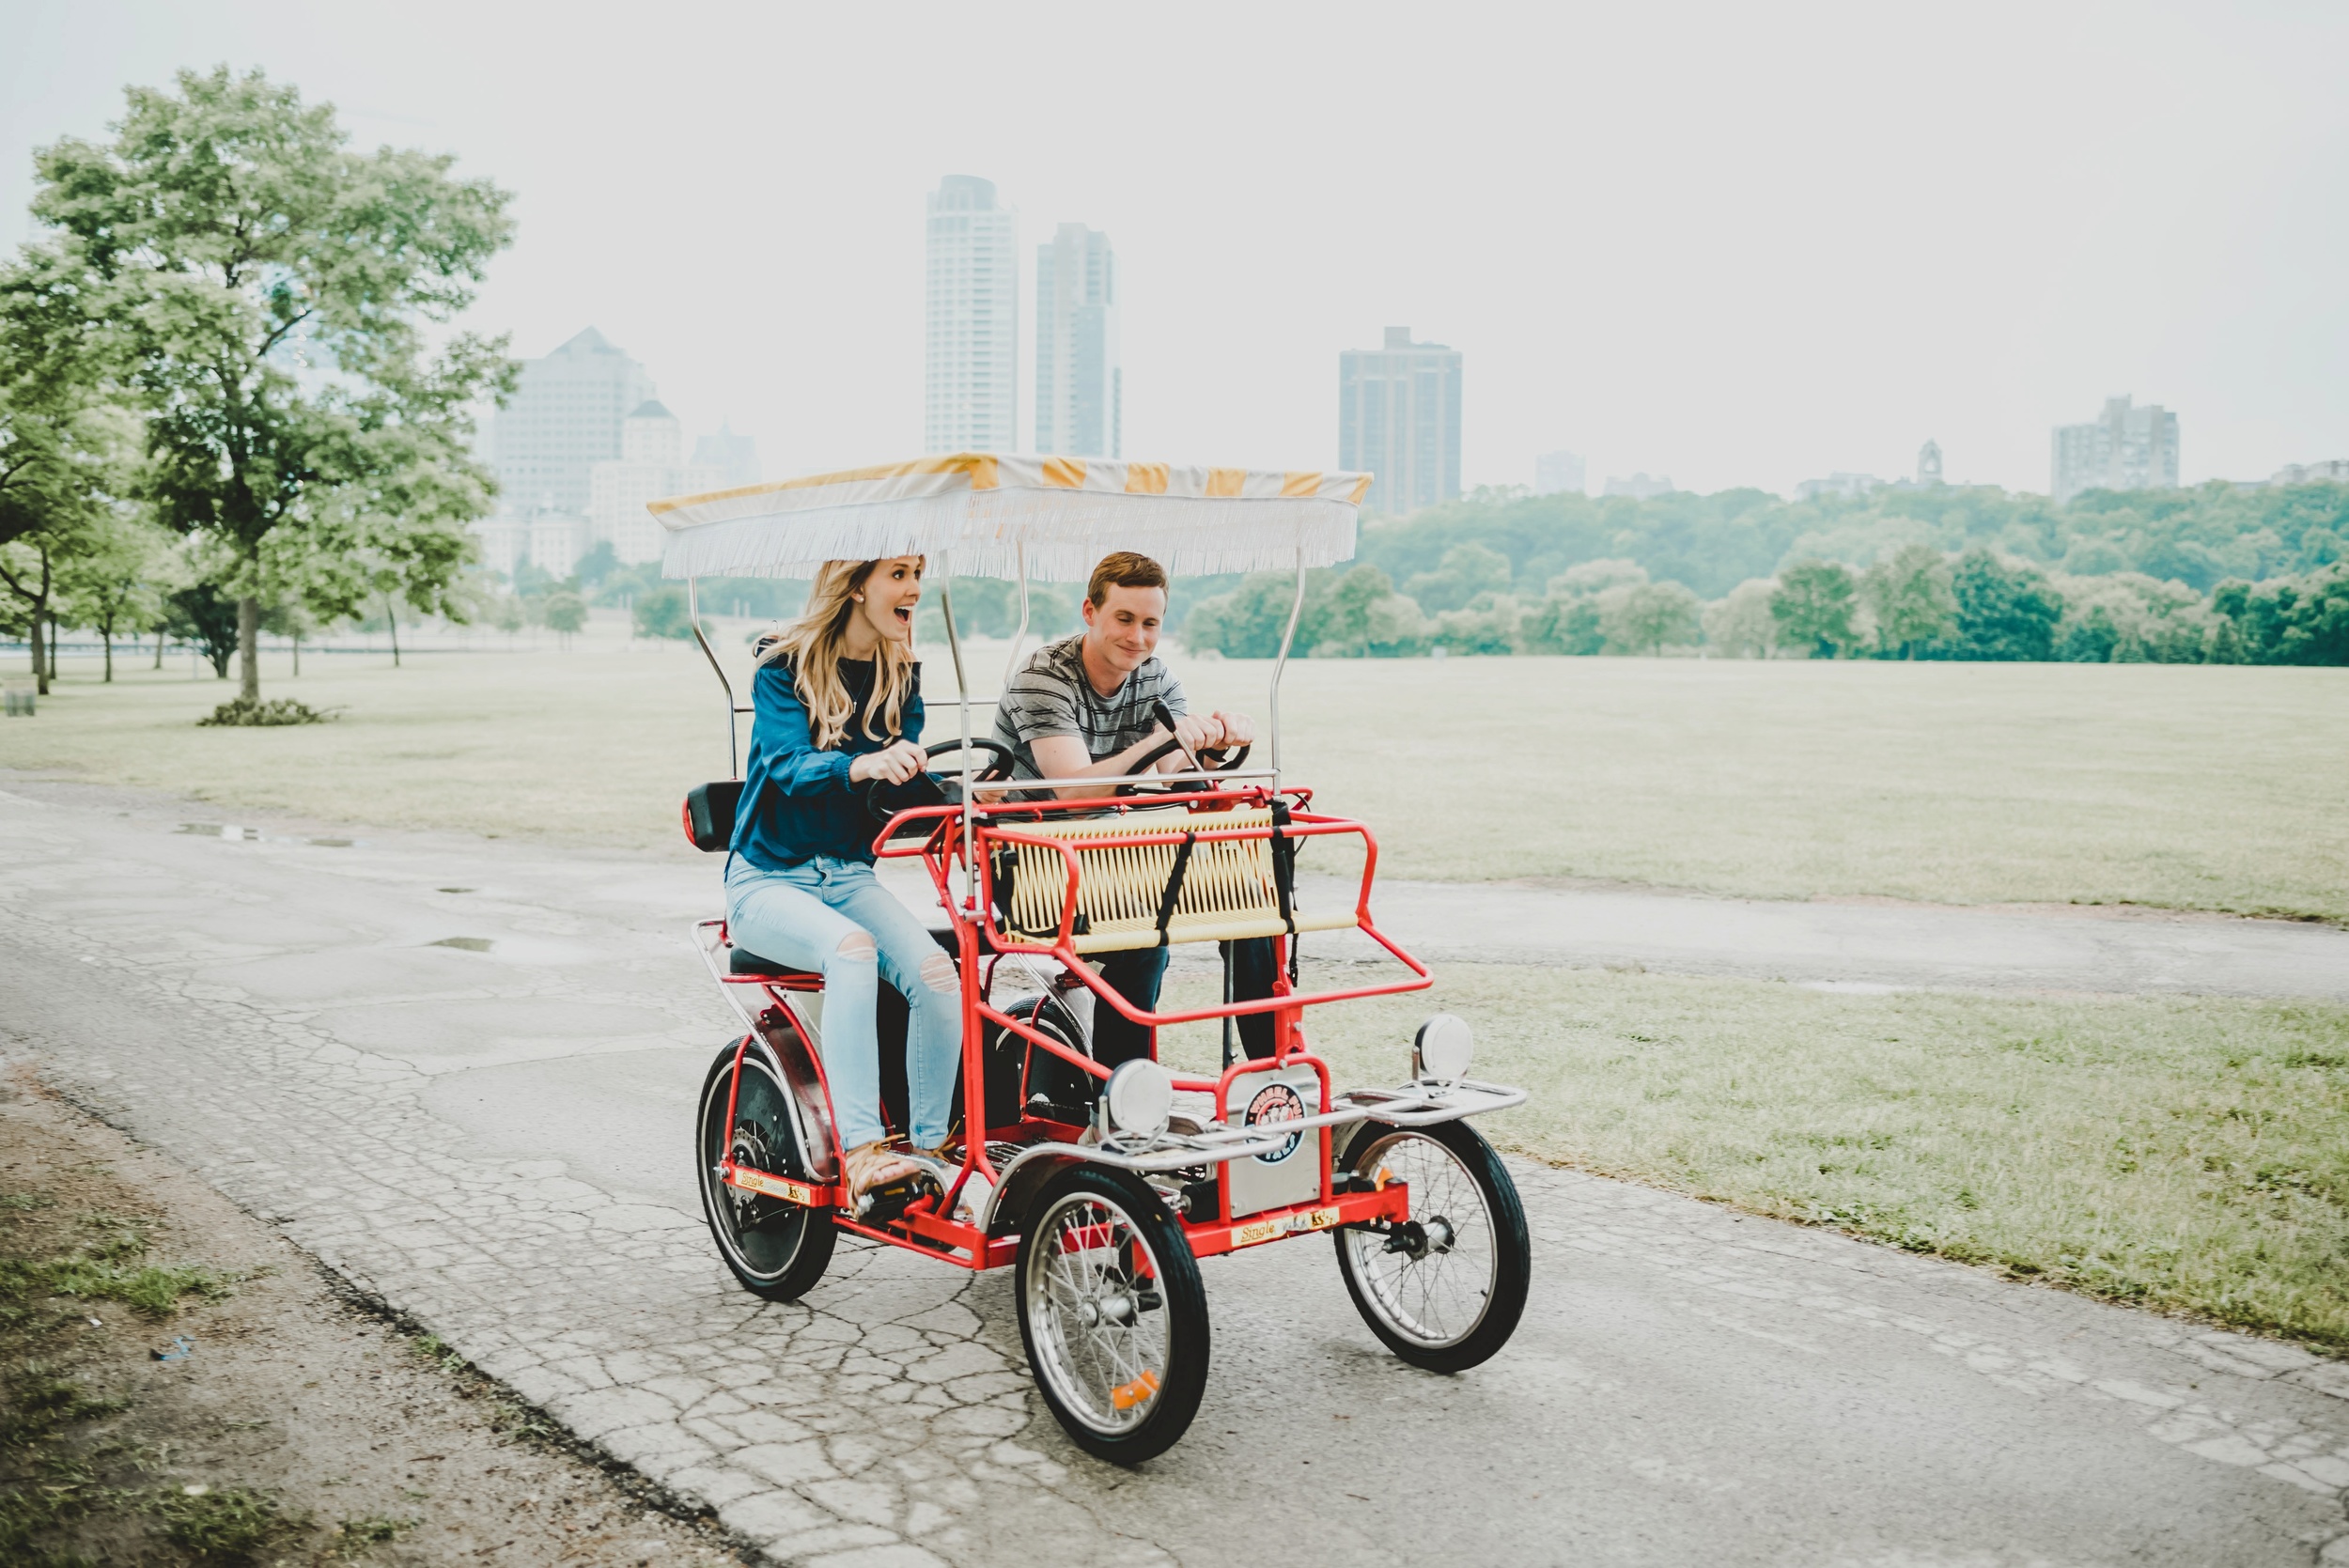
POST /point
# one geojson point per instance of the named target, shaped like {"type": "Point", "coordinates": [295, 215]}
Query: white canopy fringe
{"type": "Point", "coordinates": [982, 507]}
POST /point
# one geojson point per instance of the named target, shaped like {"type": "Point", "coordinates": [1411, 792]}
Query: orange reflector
{"type": "Point", "coordinates": [1127, 1395]}
{"type": "Point", "coordinates": [1380, 1180]}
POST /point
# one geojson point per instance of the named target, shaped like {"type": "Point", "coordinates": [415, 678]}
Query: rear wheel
{"type": "Point", "coordinates": [1445, 1288]}
{"type": "Point", "coordinates": [776, 1248]}
{"type": "Point", "coordinates": [1112, 1314]}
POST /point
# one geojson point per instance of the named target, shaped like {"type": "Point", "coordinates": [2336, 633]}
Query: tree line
{"type": "Point", "coordinates": [224, 409]}
{"type": "Point", "coordinates": [2212, 575]}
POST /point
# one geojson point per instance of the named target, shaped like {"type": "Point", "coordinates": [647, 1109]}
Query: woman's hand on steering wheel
{"type": "Point", "coordinates": [894, 763]}
{"type": "Point", "coordinates": [886, 794]}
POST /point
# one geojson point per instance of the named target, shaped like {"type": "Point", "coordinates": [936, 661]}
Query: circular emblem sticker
{"type": "Point", "coordinates": [1277, 1102]}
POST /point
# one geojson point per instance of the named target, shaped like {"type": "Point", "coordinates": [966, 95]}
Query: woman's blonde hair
{"type": "Point", "coordinates": [811, 645]}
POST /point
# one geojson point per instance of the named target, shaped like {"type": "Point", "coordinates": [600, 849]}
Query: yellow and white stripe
{"type": "Point", "coordinates": [987, 510]}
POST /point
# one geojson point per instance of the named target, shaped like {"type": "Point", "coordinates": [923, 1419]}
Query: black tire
{"type": "Point", "coordinates": [1125, 1386]}
{"type": "Point", "coordinates": [1444, 1292]}
{"type": "Point", "coordinates": [777, 1249]}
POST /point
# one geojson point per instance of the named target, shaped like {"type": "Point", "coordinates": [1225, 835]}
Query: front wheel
{"type": "Point", "coordinates": [1112, 1314]}
{"type": "Point", "coordinates": [1445, 1288]}
{"type": "Point", "coordinates": [775, 1249]}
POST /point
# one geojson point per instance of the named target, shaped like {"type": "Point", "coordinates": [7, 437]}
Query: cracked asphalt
{"type": "Point", "coordinates": [497, 1142]}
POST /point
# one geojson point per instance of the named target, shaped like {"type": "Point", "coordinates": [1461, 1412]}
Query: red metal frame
{"type": "Point", "coordinates": [927, 1226]}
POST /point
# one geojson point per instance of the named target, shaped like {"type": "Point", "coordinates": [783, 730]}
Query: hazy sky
{"type": "Point", "coordinates": [1737, 244]}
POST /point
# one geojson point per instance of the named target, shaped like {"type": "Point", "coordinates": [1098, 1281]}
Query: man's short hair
{"type": "Point", "coordinates": [1122, 569]}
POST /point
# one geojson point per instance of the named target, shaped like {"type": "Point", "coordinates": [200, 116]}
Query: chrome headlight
{"type": "Point", "coordinates": [1139, 1098]}
{"type": "Point", "coordinates": [1441, 1050]}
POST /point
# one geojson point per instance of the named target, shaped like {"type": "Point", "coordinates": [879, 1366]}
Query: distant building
{"type": "Point", "coordinates": [1639, 486]}
{"type": "Point", "coordinates": [1929, 464]}
{"type": "Point", "coordinates": [1559, 473]}
{"type": "Point", "coordinates": [564, 418]}
{"type": "Point", "coordinates": [651, 465]}
{"type": "Point", "coordinates": [2127, 448]}
{"type": "Point", "coordinates": [1080, 390]}
{"type": "Point", "coordinates": [734, 457]}
{"type": "Point", "coordinates": [557, 540]}
{"type": "Point", "coordinates": [1838, 483]}
{"type": "Point", "coordinates": [1399, 420]}
{"type": "Point", "coordinates": [2336, 471]}
{"type": "Point", "coordinates": [970, 363]}
{"type": "Point", "coordinates": [505, 537]}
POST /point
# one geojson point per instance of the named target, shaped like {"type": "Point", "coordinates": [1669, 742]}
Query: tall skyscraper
{"type": "Point", "coordinates": [2127, 448]}
{"type": "Point", "coordinates": [1079, 386]}
{"type": "Point", "coordinates": [1399, 419]}
{"type": "Point", "coordinates": [1560, 472]}
{"type": "Point", "coordinates": [565, 417]}
{"type": "Point", "coordinates": [971, 400]}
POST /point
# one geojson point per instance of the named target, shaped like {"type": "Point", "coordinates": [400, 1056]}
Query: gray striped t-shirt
{"type": "Point", "coordinates": [1051, 695]}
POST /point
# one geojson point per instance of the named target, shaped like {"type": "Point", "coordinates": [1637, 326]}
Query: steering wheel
{"type": "Point", "coordinates": [935, 786]}
{"type": "Point", "coordinates": [1225, 761]}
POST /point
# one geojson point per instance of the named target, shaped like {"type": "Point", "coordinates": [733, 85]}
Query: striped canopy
{"type": "Point", "coordinates": [987, 512]}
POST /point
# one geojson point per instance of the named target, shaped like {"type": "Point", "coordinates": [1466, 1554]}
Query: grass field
{"type": "Point", "coordinates": [2182, 1154]}
{"type": "Point", "coordinates": [2212, 788]}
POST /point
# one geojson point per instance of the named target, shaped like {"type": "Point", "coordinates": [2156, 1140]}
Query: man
{"type": "Point", "coordinates": [1085, 707]}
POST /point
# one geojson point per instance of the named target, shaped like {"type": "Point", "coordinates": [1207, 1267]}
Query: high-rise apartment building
{"type": "Point", "coordinates": [1560, 472]}
{"type": "Point", "coordinates": [1399, 420]}
{"type": "Point", "coordinates": [2127, 448]}
{"type": "Point", "coordinates": [651, 465]}
{"type": "Point", "coordinates": [565, 417]}
{"type": "Point", "coordinates": [1080, 390]}
{"type": "Point", "coordinates": [971, 394]}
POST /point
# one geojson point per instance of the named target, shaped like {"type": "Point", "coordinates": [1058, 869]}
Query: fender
{"type": "Point", "coordinates": [783, 1039]}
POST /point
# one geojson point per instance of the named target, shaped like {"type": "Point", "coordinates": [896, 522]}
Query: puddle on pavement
{"type": "Point", "coordinates": [452, 889]}
{"type": "Point", "coordinates": [236, 834]}
{"type": "Point", "coordinates": [470, 944]}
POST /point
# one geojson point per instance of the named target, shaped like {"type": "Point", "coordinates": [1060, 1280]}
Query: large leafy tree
{"type": "Point", "coordinates": [266, 292]}
{"type": "Point", "coordinates": [1910, 593]}
{"type": "Point", "coordinates": [1813, 605]}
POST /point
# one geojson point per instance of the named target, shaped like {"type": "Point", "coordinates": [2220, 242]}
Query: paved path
{"type": "Point", "coordinates": [495, 1141]}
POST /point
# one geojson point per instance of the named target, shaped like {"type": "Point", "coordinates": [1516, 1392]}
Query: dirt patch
{"type": "Point", "coordinates": [178, 1385]}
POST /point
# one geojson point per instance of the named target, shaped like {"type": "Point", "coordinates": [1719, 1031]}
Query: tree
{"type": "Point", "coordinates": [1563, 622]}
{"type": "Point", "coordinates": [61, 454]}
{"type": "Point", "coordinates": [263, 288]}
{"type": "Point", "coordinates": [1740, 625]}
{"type": "Point", "coordinates": [2300, 620]}
{"type": "Point", "coordinates": [1812, 606]}
{"type": "Point", "coordinates": [1342, 627]}
{"type": "Point", "coordinates": [566, 612]}
{"type": "Point", "coordinates": [1910, 593]}
{"type": "Point", "coordinates": [1647, 617]}
{"type": "Point", "coordinates": [1486, 625]}
{"type": "Point", "coordinates": [2004, 608]}
{"type": "Point", "coordinates": [663, 612]}
{"type": "Point", "coordinates": [111, 585]}
{"type": "Point", "coordinates": [202, 615]}
{"type": "Point", "coordinates": [1468, 570]}
{"type": "Point", "coordinates": [1249, 621]}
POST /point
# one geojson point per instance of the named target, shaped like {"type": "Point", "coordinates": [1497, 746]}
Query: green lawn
{"type": "Point", "coordinates": [2214, 788]}
{"type": "Point", "coordinates": [2185, 1154]}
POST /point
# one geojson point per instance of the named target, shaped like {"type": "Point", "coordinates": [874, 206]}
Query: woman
{"type": "Point", "coordinates": [839, 704]}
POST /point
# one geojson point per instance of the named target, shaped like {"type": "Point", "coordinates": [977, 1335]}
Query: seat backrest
{"type": "Point", "coordinates": [710, 813]}
{"type": "Point", "coordinates": [1226, 890]}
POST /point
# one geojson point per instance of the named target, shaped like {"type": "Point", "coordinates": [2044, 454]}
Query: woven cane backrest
{"type": "Point", "coordinates": [1226, 894]}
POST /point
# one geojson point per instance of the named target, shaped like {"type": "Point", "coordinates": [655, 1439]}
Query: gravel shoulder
{"type": "Point", "coordinates": [285, 1420]}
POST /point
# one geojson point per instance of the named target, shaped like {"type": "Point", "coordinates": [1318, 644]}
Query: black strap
{"type": "Point", "coordinates": [1175, 884]}
{"type": "Point", "coordinates": [1284, 866]}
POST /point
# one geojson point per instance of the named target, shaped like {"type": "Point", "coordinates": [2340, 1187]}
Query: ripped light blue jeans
{"type": "Point", "coordinates": [833, 916]}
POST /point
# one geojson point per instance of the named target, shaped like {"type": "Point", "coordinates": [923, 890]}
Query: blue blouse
{"type": "Point", "coordinates": [797, 801]}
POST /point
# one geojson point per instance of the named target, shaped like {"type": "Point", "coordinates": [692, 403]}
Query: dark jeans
{"type": "Point", "coordinates": [1136, 973]}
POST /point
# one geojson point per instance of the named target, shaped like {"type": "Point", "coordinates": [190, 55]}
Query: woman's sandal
{"type": "Point", "coordinates": [881, 1181]}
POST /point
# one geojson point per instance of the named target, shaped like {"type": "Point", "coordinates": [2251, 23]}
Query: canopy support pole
{"type": "Point", "coordinates": [1297, 607]}
{"type": "Point", "coordinates": [962, 694]}
{"type": "Point", "coordinates": [1012, 663]}
{"type": "Point", "coordinates": [693, 614]}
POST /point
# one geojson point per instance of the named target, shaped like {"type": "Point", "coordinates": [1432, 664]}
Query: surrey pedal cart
{"type": "Point", "coordinates": [1101, 1189]}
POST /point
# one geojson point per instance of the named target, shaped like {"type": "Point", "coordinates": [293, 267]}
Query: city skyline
{"type": "Point", "coordinates": [2096, 234]}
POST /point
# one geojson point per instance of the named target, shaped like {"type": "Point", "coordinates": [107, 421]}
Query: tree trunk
{"type": "Point", "coordinates": [297, 637]}
{"type": "Point", "coordinates": [249, 648]}
{"type": "Point", "coordinates": [41, 665]}
{"type": "Point", "coordinates": [391, 618]}
{"type": "Point", "coordinates": [106, 637]}
{"type": "Point", "coordinates": [159, 647]}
